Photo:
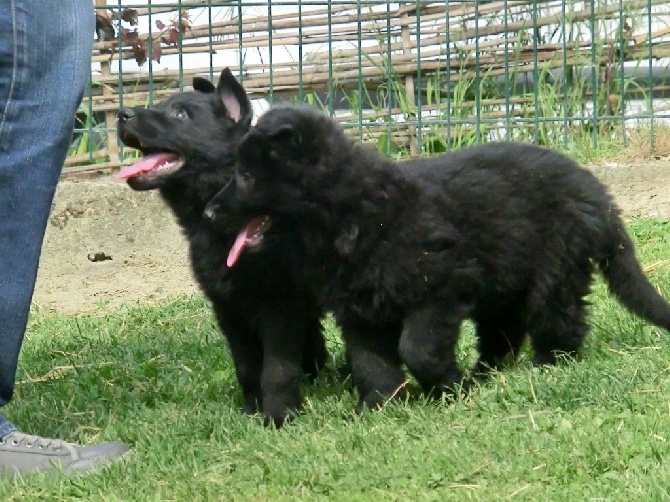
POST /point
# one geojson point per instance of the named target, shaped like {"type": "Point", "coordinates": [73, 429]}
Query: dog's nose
{"type": "Point", "coordinates": [210, 211]}
{"type": "Point", "coordinates": [126, 114]}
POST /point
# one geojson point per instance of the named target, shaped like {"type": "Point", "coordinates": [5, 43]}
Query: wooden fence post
{"type": "Point", "coordinates": [109, 94]}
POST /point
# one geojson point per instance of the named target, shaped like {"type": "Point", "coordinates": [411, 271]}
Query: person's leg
{"type": "Point", "coordinates": [43, 75]}
{"type": "Point", "coordinates": [6, 427]}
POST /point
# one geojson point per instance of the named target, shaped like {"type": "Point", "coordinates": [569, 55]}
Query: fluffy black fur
{"type": "Point", "coordinates": [505, 234]}
{"type": "Point", "coordinates": [271, 321]}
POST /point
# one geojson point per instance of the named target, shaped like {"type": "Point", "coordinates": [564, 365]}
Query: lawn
{"type": "Point", "coordinates": [160, 377]}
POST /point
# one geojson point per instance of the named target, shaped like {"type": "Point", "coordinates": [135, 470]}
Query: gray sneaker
{"type": "Point", "coordinates": [22, 453]}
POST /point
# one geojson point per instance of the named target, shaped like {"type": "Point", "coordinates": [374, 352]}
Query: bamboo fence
{"type": "Point", "coordinates": [347, 47]}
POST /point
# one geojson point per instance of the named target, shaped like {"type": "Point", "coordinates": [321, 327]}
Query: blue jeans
{"type": "Point", "coordinates": [45, 55]}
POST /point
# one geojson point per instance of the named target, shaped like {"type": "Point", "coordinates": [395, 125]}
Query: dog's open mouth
{"type": "Point", "coordinates": [154, 162]}
{"type": "Point", "coordinates": [250, 236]}
{"type": "Point", "coordinates": [153, 165]}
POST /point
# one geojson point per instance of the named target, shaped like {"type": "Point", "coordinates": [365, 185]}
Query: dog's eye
{"type": "Point", "coordinates": [244, 179]}
{"type": "Point", "coordinates": [179, 114]}
{"type": "Point", "coordinates": [247, 177]}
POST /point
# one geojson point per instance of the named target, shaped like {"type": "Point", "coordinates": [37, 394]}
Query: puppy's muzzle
{"type": "Point", "coordinates": [214, 206]}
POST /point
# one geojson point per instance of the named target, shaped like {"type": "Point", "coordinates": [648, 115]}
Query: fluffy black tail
{"type": "Point", "coordinates": [629, 283]}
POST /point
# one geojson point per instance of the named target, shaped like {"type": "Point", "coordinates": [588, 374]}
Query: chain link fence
{"type": "Point", "coordinates": [413, 78]}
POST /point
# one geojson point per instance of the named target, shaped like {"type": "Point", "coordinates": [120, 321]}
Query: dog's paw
{"type": "Point", "coordinates": [376, 399]}
{"type": "Point", "coordinates": [277, 421]}
{"type": "Point", "coordinates": [252, 405]}
{"type": "Point", "coordinates": [373, 400]}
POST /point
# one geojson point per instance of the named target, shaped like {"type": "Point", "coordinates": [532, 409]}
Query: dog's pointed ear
{"type": "Point", "coordinates": [203, 85]}
{"type": "Point", "coordinates": [234, 99]}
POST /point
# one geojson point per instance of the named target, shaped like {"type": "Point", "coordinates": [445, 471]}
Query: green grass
{"type": "Point", "coordinates": [161, 378]}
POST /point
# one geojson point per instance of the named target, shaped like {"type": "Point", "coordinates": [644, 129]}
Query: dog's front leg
{"type": "Point", "coordinates": [372, 354]}
{"type": "Point", "coordinates": [428, 346]}
{"type": "Point", "coordinates": [245, 347]}
{"type": "Point", "coordinates": [283, 353]}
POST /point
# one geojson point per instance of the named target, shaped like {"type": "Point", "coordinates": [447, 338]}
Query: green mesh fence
{"type": "Point", "coordinates": [413, 78]}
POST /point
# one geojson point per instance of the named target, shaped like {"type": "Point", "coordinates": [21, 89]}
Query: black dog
{"type": "Point", "coordinates": [271, 322]}
{"type": "Point", "coordinates": [505, 234]}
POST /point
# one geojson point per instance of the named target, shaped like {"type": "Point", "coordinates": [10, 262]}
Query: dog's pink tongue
{"type": "Point", "coordinates": [148, 163]}
{"type": "Point", "coordinates": [242, 240]}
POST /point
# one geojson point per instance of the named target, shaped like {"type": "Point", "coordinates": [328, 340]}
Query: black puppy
{"type": "Point", "coordinates": [505, 234]}
{"type": "Point", "coordinates": [271, 321]}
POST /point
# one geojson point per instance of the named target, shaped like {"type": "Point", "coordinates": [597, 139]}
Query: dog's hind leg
{"type": "Point", "coordinates": [372, 356]}
{"type": "Point", "coordinates": [557, 321]}
{"type": "Point", "coordinates": [427, 346]}
{"type": "Point", "coordinates": [498, 335]}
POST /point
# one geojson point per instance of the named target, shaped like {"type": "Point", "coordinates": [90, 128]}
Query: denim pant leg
{"type": "Point", "coordinates": [45, 54]}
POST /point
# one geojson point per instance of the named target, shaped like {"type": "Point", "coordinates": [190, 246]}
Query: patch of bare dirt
{"type": "Point", "coordinates": [106, 243]}
{"type": "Point", "coordinates": [640, 188]}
